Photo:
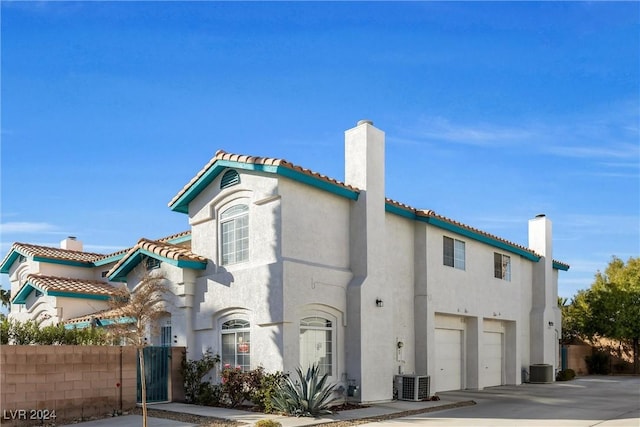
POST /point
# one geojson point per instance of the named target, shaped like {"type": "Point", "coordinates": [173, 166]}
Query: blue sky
{"type": "Point", "coordinates": [493, 112]}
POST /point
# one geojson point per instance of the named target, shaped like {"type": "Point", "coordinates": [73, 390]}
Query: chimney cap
{"type": "Point", "coordinates": [365, 121]}
{"type": "Point", "coordinates": [540, 215]}
{"type": "Point", "coordinates": [71, 237]}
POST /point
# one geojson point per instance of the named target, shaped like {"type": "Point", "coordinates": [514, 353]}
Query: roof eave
{"type": "Point", "coordinates": [181, 204]}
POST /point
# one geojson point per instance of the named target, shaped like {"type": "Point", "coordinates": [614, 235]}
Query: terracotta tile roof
{"type": "Point", "coordinates": [162, 239]}
{"type": "Point", "coordinates": [109, 313]}
{"type": "Point", "coordinates": [427, 213]}
{"type": "Point", "coordinates": [161, 248]}
{"type": "Point", "coordinates": [76, 286]}
{"type": "Point", "coordinates": [28, 249]}
{"type": "Point", "coordinates": [175, 236]}
{"type": "Point", "coordinates": [267, 161]}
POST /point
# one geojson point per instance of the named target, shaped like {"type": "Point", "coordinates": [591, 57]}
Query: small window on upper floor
{"type": "Point", "coordinates": [152, 263]}
{"type": "Point", "coordinates": [453, 252]}
{"type": "Point", "coordinates": [502, 266]}
{"type": "Point", "coordinates": [230, 178]}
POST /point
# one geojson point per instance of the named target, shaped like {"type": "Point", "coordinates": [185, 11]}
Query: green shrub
{"type": "Point", "coordinates": [598, 363]}
{"type": "Point", "coordinates": [27, 333]}
{"type": "Point", "coordinates": [193, 371]}
{"type": "Point", "coordinates": [267, 384]}
{"type": "Point", "coordinates": [267, 423]}
{"type": "Point", "coordinates": [309, 396]}
{"type": "Point", "coordinates": [566, 375]}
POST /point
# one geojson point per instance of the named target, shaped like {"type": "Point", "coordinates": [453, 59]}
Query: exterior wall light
{"type": "Point", "coordinates": [379, 303]}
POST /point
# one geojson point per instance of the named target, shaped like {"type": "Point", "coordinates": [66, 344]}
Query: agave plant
{"type": "Point", "coordinates": [309, 396]}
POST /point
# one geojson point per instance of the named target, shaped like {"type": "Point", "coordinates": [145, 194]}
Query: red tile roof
{"type": "Point", "coordinates": [269, 161]}
{"type": "Point", "coordinates": [28, 249]}
{"type": "Point", "coordinates": [76, 286]}
{"type": "Point", "coordinates": [161, 248]}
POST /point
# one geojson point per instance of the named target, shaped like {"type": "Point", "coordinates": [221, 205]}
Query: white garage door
{"type": "Point", "coordinates": [492, 350]}
{"type": "Point", "coordinates": [448, 369]}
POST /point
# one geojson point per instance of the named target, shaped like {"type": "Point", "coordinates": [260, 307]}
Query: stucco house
{"type": "Point", "coordinates": [283, 267]}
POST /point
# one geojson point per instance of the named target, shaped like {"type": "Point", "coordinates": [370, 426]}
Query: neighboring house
{"type": "Point", "coordinates": [284, 267]}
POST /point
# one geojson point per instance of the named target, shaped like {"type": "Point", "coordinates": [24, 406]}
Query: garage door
{"type": "Point", "coordinates": [448, 369]}
{"type": "Point", "coordinates": [492, 350]}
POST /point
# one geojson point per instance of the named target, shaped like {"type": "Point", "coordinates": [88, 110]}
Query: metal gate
{"type": "Point", "coordinates": [156, 367]}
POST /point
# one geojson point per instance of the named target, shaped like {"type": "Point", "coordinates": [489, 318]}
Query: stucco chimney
{"type": "Point", "coordinates": [545, 316]}
{"type": "Point", "coordinates": [364, 157]}
{"type": "Point", "coordinates": [71, 243]}
{"type": "Point", "coordinates": [370, 335]}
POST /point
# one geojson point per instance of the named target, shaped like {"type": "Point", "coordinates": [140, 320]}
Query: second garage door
{"type": "Point", "coordinates": [449, 356]}
{"type": "Point", "coordinates": [492, 363]}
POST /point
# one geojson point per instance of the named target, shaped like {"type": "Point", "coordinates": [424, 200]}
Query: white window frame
{"type": "Point", "coordinates": [328, 345]}
{"type": "Point", "coordinates": [458, 258]}
{"type": "Point", "coordinates": [504, 272]}
{"type": "Point", "coordinates": [239, 221]}
{"type": "Point", "coordinates": [239, 330]}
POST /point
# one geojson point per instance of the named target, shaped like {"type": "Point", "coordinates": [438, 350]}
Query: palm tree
{"type": "Point", "coordinates": [5, 298]}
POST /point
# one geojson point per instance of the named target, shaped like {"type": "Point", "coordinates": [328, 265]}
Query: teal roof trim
{"type": "Point", "coordinates": [103, 322]}
{"type": "Point", "coordinates": [120, 275]}
{"type": "Point", "coordinates": [559, 266]}
{"type": "Point", "coordinates": [317, 183]}
{"type": "Point", "coordinates": [180, 239]}
{"type": "Point", "coordinates": [463, 232]}
{"type": "Point", "coordinates": [182, 204]}
{"type": "Point", "coordinates": [63, 262]}
{"type": "Point", "coordinates": [24, 292]}
{"type": "Point", "coordinates": [9, 260]}
{"type": "Point", "coordinates": [480, 238]}
{"type": "Point", "coordinates": [109, 259]}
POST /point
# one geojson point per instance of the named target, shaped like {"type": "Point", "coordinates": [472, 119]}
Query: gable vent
{"type": "Point", "coordinates": [230, 177]}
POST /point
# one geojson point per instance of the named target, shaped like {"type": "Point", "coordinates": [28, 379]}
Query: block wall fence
{"type": "Point", "coordinates": [77, 382]}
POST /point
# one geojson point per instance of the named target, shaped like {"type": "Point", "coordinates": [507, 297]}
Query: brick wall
{"type": "Point", "coordinates": [75, 381]}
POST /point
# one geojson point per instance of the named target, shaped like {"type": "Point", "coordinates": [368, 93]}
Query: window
{"type": "Point", "coordinates": [152, 263]}
{"type": "Point", "coordinates": [453, 252]}
{"type": "Point", "coordinates": [502, 266]}
{"type": "Point", "coordinates": [229, 179]}
{"type": "Point", "coordinates": [234, 232]}
{"type": "Point", "coordinates": [165, 334]}
{"type": "Point", "coordinates": [316, 344]}
{"type": "Point", "coordinates": [236, 345]}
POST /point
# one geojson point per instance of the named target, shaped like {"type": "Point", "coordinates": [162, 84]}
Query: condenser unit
{"type": "Point", "coordinates": [412, 387]}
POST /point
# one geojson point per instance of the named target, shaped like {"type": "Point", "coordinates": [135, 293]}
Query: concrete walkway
{"type": "Point", "coordinates": [246, 417]}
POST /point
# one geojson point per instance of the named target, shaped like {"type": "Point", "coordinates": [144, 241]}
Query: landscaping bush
{"type": "Point", "coordinates": [566, 375]}
{"type": "Point", "coordinates": [268, 383]}
{"type": "Point", "coordinates": [193, 371]}
{"type": "Point", "coordinates": [598, 363]}
{"type": "Point", "coordinates": [267, 423]}
{"type": "Point", "coordinates": [27, 333]}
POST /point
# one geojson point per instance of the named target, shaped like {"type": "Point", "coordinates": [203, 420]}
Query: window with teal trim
{"type": "Point", "coordinates": [230, 178]}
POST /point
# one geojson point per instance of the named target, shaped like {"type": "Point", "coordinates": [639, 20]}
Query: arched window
{"type": "Point", "coordinates": [234, 235]}
{"type": "Point", "coordinates": [236, 344]}
{"type": "Point", "coordinates": [316, 344]}
{"type": "Point", "coordinates": [229, 179]}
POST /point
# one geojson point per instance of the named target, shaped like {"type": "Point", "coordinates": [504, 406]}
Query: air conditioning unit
{"type": "Point", "coordinates": [412, 387]}
{"type": "Point", "coordinates": [540, 374]}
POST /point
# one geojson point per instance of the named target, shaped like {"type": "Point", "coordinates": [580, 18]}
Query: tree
{"type": "Point", "coordinates": [136, 314]}
{"type": "Point", "coordinates": [611, 307]}
{"type": "Point", "coordinates": [5, 298]}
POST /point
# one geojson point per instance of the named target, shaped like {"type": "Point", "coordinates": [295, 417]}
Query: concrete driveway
{"type": "Point", "coordinates": [595, 400]}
